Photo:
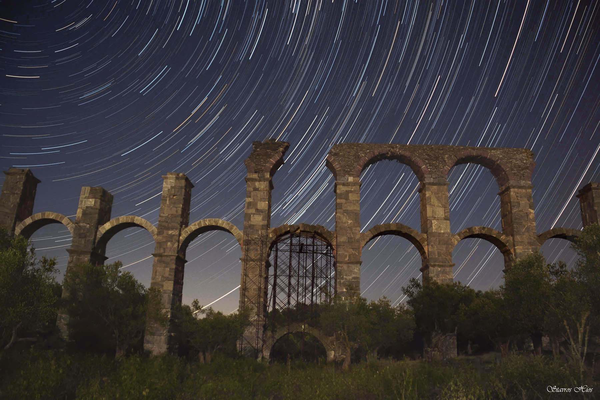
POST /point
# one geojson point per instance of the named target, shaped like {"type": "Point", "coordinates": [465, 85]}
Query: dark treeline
{"type": "Point", "coordinates": [541, 328]}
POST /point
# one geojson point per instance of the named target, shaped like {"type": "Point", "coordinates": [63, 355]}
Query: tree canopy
{"type": "Point", "coordinates": [29, 293]}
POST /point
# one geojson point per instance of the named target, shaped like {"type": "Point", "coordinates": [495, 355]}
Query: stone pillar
{"type": "Point", "coordinates": [518, 219]}
{"type": "Point", "coordinates": [347, 235]}
{"type": "Point", "coordinates": [435, 223]}
{"type": "Point", "coordinates": [95, 205]}
{"type": "Point", "coordinates": [265, 159]}
{"type": "Point", "coordinates": [18, 195]}
{"type": "Point", "coordinates": [94, 209]}
{"type": "Point", "coordinates": [589, 201]}
{"type": "Point", "coordinates": [169, 262]}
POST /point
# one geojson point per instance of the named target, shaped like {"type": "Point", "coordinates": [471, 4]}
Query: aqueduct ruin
{"type": "Point", "coordinates": [93, 227]}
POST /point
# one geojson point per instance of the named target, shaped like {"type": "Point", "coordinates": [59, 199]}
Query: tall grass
{"type": "Point", "coordinates": [51, 375]}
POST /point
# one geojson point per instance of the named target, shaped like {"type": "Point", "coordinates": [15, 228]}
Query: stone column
{"type": "Point", "coordinates": [94, 210]}
{"type": "Point", "coordinates": [169, 262]}
{"type": "Point", "coordinates": [347, 235]}
{"type": "Point", "coordinates": [18, 195]}
{"type": "Point", "coordinates": [265, 159]}
{"type": "Point", "coordinates": [518, 219]}
{"type": "Point", "coordinates": [589, 201]}
{"type": "Point", "coordinates": [435, 223]}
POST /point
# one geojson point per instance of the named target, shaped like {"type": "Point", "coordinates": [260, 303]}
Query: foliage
{"type": "Point", "coordinates": [371, 326]}
{"type": "Point", "coordinates": [107, 308]}
{"type": "Point", "coordinates": [436, 306]}
{"type": "Point", "coordinates": [587, 272]}
{"type": "Point", "coordinates": [486, 318]}
{"type": "Point", "coordinates": [300, 313]}
{"type": "Point", "coordinates": [348, 320]}
{"type": "Point", "coordinates": [391, 328]}
{"type": "Point", "coordinates": [527, 291]}
{"type": "Point", "coordinates": [60, 375]}
{"type": "Point", "coordinates": [29, 293]}
{"type": "Point", "coordinates": [206, 331]}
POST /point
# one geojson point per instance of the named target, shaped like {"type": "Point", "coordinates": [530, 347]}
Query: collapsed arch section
{"type": "Point", "coordinates": [272, 338]}
{"type": "Point", "coordinates": [116, 225]}
{"type": "Point", "coordinates": [210, 224]}
{"type": "Point", "coordinates": [418, 239]}
{"type": "Point", "coordinates": [28, 226]}
{"type": "Point", "coordinates": [559, 233]}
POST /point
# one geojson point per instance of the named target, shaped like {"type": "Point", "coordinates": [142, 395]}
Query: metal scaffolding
{"type": "Point", "coordinates": [301, 270]}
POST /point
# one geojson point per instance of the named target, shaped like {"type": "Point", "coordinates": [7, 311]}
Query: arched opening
{"type": "Point", "coordinates": [473, 197]}
{"type": "Point", "coordinates": [300, 275]}
{"type": "Point", "coordinates": [389, 193]}
{"type": "Point", "coordinates": [389, 261]}
{"type": "Point", "coordinates": [213, 269]}
{"type": "Point", "coordinates": [50, 234]}
{"type": "Point", "coordinates": [478, 263]}
{"type": "Point", "coordinates": [557, 250]}
{"type": "Point", "coordinates": [53, 241]}
{"type": "Point", "coordinates": [132, 246]}
{"type": "Point", "coordinates": [298, 346]}
{"type": "Point", "coordinates": [303, 194]}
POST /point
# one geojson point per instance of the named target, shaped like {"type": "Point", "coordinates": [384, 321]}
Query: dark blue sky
{"type": "Point", "coordinates": [116, 93]}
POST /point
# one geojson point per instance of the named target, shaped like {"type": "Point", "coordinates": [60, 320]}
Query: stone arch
{"type": "Point", "coordinates": [321, 231]}
{"type": "Point", "coordinates": [559, 233]}
{"type": "Point", "coordinates": [205, 225]}
{"type": "Point", "coordinates": [403, 157]}
{"type": "Point", "coordinates": [498, 239]}
{"type": "Point", "coordinates": [419, 240]}
{"type": "Point", "coordinates": [480, 157]}
{"type": "Point", "coordinates": [116, 225]}
{"type": "Point", "coordinates": [328, 342]}
{"type": "Point", "coordinates": [28, 226]}
{"type": "Point", "coordinates": [354, 158]}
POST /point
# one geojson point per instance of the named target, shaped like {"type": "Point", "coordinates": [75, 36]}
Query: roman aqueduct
{"type": "Point", "coordinates": [93, 227]}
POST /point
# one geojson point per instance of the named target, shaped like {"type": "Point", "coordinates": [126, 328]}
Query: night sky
{"type": "Point", "coordinates": [116, 93]}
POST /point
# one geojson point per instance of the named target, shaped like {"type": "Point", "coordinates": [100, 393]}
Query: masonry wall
{"type": "Point", "coordinates": [512, 168]}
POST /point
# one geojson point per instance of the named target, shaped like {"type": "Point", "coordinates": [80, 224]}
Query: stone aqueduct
{"type": "Point", "coordinates": [93, 227]}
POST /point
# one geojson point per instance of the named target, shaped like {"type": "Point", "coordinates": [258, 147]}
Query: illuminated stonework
{"type": "Point", "coordinates": [93, 227]}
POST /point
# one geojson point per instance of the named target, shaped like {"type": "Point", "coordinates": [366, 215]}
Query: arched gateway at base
{"type": "Point", "coordinates": [92, 226]}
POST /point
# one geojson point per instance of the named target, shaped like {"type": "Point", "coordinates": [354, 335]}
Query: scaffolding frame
{"type": "Point", "coordinates": [300, 270]}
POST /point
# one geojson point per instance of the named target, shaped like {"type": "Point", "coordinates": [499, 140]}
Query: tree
{"type": "Point", "coordinates": [574, 305]}
{"type": "Point", "coordinates": [436, 306]}
{"type": "Point", "coordinates": [207, 331]}
{"type": "Point", "coordinates": [587, 272]}
{"type": "Point", "coordinates": [348, 319]}
{"type": "Point", "coordinates": [107, 308]}
{"type": "Point", "coordinates": [391, 328]}
{"type": "Point", "coordinates": [487, 318]}
{"type": "Point", "coordinates": [29, 293]}
{"type": "Point", "coordinates": [527, 290]}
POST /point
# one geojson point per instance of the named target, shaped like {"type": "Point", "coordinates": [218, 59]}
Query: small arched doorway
{"type": "Point", "coordinates": [298, 346]}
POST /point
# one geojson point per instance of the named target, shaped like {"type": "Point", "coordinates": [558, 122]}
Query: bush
{"type": "Point", "coordinates": [52, 375]}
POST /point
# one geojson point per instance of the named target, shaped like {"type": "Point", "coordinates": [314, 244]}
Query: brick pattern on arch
{"type": "Point", "coordinates": [28, 226]}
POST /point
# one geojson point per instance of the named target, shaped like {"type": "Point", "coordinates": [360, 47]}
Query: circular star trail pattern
{"type": "Point", "coordinates": [116, 93]}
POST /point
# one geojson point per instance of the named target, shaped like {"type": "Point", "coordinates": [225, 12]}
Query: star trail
{"type": "Point", "coordinates": [116, 93]}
